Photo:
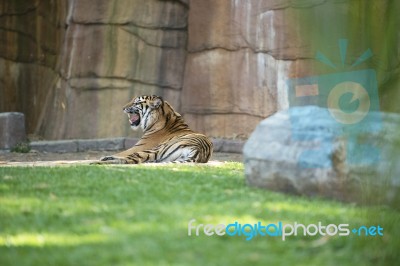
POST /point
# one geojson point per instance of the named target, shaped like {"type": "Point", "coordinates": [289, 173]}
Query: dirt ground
{"type": "Point", "coordinates": [13, 158]}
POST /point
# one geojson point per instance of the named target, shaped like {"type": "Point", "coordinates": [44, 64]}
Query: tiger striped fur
{"type": "Point", "coordinates": [166, 137]}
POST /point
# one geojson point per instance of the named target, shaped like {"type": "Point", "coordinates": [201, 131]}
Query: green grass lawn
{"type": "Point", "coordinates": [124, 215]}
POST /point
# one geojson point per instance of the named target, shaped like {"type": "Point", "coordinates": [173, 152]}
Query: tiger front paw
{"type": "Point", "coordinates": [111, 160]}
{"type": "Point", "coordinates": [107, 158]}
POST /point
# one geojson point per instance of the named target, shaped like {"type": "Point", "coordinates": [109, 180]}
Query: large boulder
{"type": "Point", "coordinates": [304, 151]}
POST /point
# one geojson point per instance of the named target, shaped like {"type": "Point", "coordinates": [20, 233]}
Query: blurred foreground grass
{"type": "Point", "coordinates": [138, 215]}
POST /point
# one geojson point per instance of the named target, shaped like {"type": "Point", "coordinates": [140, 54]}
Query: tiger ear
{"type": "Point", "coordinates": [156, 102]}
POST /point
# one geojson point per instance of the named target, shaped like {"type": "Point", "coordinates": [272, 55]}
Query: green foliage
{"type": "Point", "coordinates": [22, 147]}
{"type": "Point", "coordinates": [138, 215]}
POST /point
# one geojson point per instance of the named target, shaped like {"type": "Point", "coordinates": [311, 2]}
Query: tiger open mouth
{"type": "Point", "coordinates": [134, 119]}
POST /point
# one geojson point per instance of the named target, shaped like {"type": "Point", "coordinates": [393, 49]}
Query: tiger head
{"type": "Point", "coordinates": [144, 111]}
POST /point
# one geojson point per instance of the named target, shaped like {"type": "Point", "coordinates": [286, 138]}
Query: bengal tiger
{"type": "Point", "coordinates": [166, 137]}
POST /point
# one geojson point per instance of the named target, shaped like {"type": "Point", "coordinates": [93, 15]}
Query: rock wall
{"type": "Point", "coordinates": [118, 50]}
{"type": "Point", "coordinates": [235, 64]}
{"type": "Point", "coordinates": [241, 55]}
{"type": "Point", "coordinates": [70, 65]}
{"type": "Point", "coordinates": [31, 35]}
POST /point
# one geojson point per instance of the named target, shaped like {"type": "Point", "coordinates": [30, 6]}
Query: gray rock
{"type": "Point", "coordinates": [304, 151]}
{"type": "Point", "coordinates": [87, 145]}
{"type": "Point", "coordinates": [130, 142]}
{"type": "Point", "coordinates": [112, 144]}
{"type": "Point", "coordinates": [12, 129]}
{"type": "Point", "coordinates": [217, 144]}
{"type": "Point", "coordinates": [59, 146]}
{"type": "Point", "coordinates": [232, 146]}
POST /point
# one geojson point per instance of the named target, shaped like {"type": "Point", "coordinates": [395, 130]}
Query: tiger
{"type": "Point", "coordinates": [166, 137]}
